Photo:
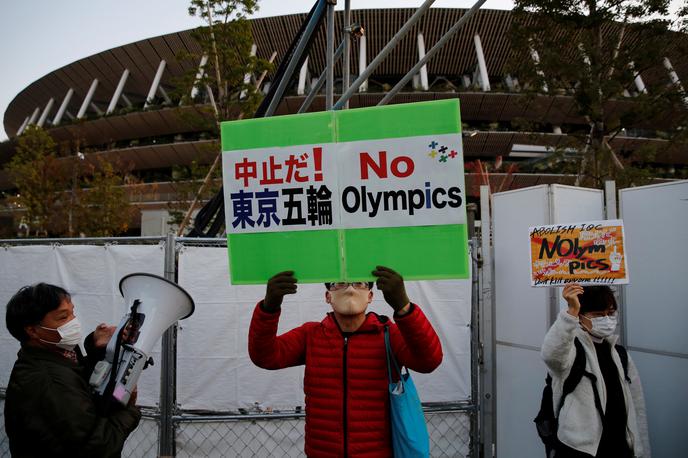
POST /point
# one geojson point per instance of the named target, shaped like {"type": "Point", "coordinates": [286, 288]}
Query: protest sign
{"type": "Point", "coordinates": [333, 194]}
{"type": "Point", "coordinates": [590, 253]}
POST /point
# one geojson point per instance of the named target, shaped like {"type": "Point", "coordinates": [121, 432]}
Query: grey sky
{"type": "Point", "coordinates": [39, 36]}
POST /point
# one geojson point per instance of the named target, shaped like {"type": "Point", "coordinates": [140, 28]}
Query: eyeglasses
{"type": "Point", "coordinates": [342, 285]}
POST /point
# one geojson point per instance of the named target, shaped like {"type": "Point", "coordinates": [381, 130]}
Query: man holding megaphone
{"type": "Point", "coordinates": [50, 409]}
{"type": "Point", "coordinates": [346, 378]}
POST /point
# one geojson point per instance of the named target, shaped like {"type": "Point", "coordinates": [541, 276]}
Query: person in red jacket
{"type": "Point", "coordinates": [346, 385]}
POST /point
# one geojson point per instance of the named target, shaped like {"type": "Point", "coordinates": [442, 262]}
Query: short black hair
{"type": "Point", "coordinates": [597, 299]}
{"type": "Point", "coordinates": [29, 306]}
{"type": "Point", "coordinates": [328, 283]}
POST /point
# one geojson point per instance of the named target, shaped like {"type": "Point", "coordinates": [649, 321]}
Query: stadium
{"type": "Point", "coordinates": [120, 103]}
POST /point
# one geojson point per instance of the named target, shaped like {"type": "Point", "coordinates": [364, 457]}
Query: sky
{"type": "Point", "coordinates": [40, 36]}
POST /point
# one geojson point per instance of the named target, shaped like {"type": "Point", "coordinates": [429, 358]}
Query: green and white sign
{"type": "Point", "coordinates": [331, 195]}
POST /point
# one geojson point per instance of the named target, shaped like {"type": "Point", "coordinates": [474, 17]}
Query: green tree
{"type": "Point", "coordinates": [103, 208]}
{"type": "Point", "coordinates": [592, 51]}
{"type": "Point", "coordinates": [226, 40]}
{"type": "Point", "coordinates": [39, 180]}
{"type": "Point", "coordinates": [186, 181]}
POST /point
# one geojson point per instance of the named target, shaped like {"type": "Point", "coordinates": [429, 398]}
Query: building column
{"type": "Point", "coordinates": [303, 76]}
{"type": "Point", "coordinates": [46, 111]}
{"type": "Point", "coordinates": [34, 116]}
{"type": "Point", "coordinates": [536, 59]}
{"type": "Point", "coordinates": [675, 80]}
{"type": "Point", "coordinates": [638, 80]}
{"type": "Point", "coordinates": [89, 95]}
{"type": "Point", "coordinates": [22, 127]}
{"type": "Point", "coordinates": [362, 62]}
{"type": "Point", "coordinates": [247, 76]}
{"type": "Point", "coordinates": [156, 83]}
{"type": "Point", "coordinates": [482, 66]}
{"type": "Point", "coordinates": [199, 75]}
{"type": "Point", "coordinates": [118, 91]}
{"type": "Point", "coordinates": [63, 107]}
{"type": "Point", "coordinates": [424, 69]}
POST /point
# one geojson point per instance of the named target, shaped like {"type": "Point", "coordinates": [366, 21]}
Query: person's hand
{"type": "Point", "coordinates": [279, 285]}
{"type": "Point", "coordinates": [392, 286]}
{"type": "Point", "coordinates": [102, 335]}
{"type": "Point", "coordinates": [571, 293]}
{"type": "Point", "coordinates": [132, 398]}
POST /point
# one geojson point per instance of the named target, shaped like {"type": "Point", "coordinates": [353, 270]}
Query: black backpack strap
{"type": "Point", "coordinates": [575, 374]}
{"type": "Point", "coordinates": [623, 356]}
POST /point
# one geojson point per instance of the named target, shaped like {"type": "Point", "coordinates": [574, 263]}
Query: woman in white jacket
{"type": "Point", "coordinates": [583, 432]}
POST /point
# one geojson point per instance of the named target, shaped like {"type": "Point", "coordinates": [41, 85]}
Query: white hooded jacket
{"type": "Point", "coordinates": [580, 425]}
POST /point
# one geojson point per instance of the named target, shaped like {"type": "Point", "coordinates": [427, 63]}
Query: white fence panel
{"type": "Point", "coordinates": [215, 372]}
{"type": "Point", "coordinates": [655, 220]}
{"type": "Point", "coordinates": [522, 312]}
{"type": "Point", "coordinates": [91, 274]}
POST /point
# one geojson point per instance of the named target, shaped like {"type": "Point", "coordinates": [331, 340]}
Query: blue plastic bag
{"type": "Point", "coordinates": [409, 431]}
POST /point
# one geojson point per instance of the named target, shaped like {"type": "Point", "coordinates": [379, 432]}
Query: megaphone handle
{"type": "Point", "coordinates": [112, 344]}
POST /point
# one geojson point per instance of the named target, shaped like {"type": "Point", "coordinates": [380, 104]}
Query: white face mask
{"type": "Point", "coordinates": [70, 334]}
{"type": "Point", "coordinates": [349, 301]}
{"type": "Point", "coordinates": [603, 326]}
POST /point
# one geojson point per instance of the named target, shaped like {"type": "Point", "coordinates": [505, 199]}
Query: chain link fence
{"type": "Point", "coordinates": [453, 428]}
{"type": "Point", "coordinates": [282, 435]}
{"type": "Point", "coordinates": [268, 435]}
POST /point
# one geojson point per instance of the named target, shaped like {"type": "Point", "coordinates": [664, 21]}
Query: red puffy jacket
{"type": "Point", "coordinates": [346, 386]}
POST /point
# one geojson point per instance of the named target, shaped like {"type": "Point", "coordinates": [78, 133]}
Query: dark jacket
{"type": "Point", "coordinates": [346, 386]}
{"type": "Point", "coordinates": [50, 409]}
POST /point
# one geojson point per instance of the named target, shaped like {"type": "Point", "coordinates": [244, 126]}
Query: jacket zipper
{"type": "Point", "coordinates": [346, 341]}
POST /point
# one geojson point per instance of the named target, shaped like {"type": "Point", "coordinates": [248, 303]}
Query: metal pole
{"type": "Point", "coordinates": [475, 352]}
{"type": "Point", "coordinates": [329, 55]}
{"type": "Point", "coordinates": [346, 64]}
{"type": "Point", "coordinates": [383, 54]}
{"type": "Point", "coordinates": [487, 330]}
{"type": "Point", "coordinates": [168, 366]}
{"type": "Point", "coordinates": [553, 299]}
{"type": "Point", "coordinates": [319, 84]}
{"type": "Point", "coordinates": [455, 28]}
{"type": "Point", "coordinates": [310, 28]}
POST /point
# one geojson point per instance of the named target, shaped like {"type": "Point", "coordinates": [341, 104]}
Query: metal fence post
{"type": "Point", "coordinates": [475, 347]}
{"type": "Point", "coordinates": [168, 365]}
{"type": "Point", "coordinates": [487, 403]}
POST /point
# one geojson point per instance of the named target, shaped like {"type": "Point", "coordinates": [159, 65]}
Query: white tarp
{"type": "Point", "coordinates": [91, 274]}
{"type": "Point", "coordinates": [215, 372]}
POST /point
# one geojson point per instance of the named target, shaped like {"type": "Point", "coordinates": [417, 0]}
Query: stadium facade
{"type": "Point", "coordinates": [119, 103]}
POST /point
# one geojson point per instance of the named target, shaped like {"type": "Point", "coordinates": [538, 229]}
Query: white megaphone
{"type": "Point", "coordinates": [154, 304]}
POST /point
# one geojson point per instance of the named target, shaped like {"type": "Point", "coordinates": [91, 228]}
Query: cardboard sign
{"type": "Point", "coordinates": [331, 195]}
{"type": "Point", "coordinates": [590, 253]}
